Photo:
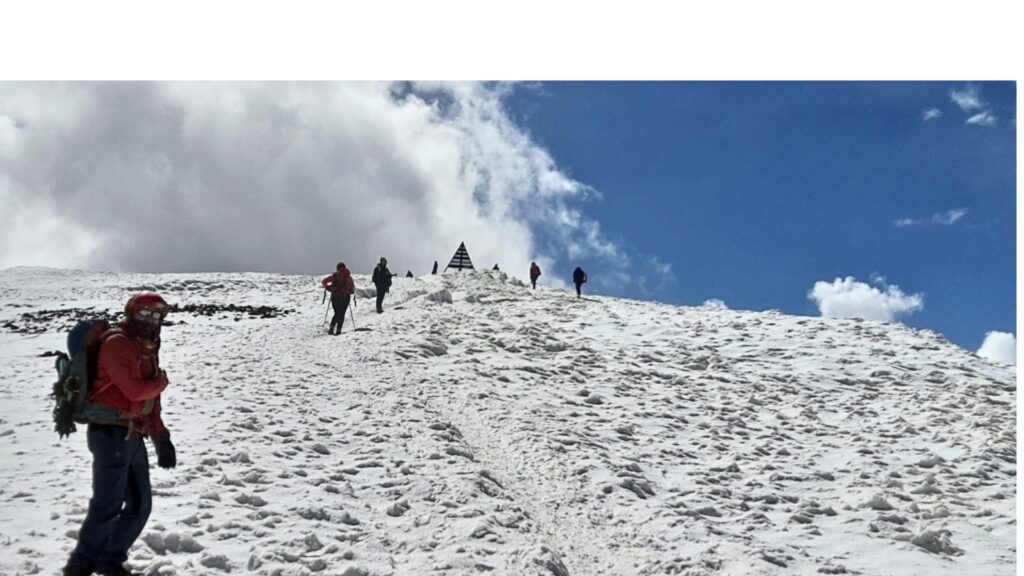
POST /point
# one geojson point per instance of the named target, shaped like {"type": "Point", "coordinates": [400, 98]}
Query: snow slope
{"type": "Point", "coordinates": [481, 427]}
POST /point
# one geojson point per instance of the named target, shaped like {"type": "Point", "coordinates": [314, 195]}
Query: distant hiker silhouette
{"type": "Point", "coordinates": [534, 274]}
{"type": "Point", "coordinates": [129, 382]}
{"type": "Point", "coordinates": [408, 274]}
{"type": "Point", "coordinates": [341, 287]}
{"type": "Point", "coordinates": [434, 270]}
{"type": "Point", "coordinates": [579, 278]}
{"type": "Point", "coordinates": [382, 280]}
{"type": "Point", "coordinates": [496, 269]}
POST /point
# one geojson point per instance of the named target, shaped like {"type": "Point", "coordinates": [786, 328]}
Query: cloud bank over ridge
{"type": "Point", "coordinates": [848, 298]}
{"type": "Point", "coordinates": [1000, 347]}
{"type": "Point", "coordinates": [284, 177]}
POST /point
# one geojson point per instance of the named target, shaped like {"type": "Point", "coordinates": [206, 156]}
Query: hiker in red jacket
{"type": "Point", "coordinates": [534, 274]}
{"type": "Point", "coordinates": [129, 379]}
{"type": "Point", "coordinates": [341, 287]}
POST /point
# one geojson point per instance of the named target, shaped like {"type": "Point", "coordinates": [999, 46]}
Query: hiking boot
{"type": "Point", "coordinates": [73, 570]}
{"type": "Point", "coordinates": [116, 570]}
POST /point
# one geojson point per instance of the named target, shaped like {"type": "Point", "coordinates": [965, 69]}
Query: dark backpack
{"type": "Point", "coordinates": [76, 372]}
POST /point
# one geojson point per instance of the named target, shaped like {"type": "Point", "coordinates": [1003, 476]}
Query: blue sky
{"type": "Point", "coordinates": [754, 191]}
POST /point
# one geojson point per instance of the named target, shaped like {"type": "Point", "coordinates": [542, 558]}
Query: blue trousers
{"type": "Point", "coordinates": [121, 498]}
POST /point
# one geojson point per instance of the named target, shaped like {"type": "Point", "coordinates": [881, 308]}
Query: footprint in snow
{"type": "Point", "coordinates": [398, 508]}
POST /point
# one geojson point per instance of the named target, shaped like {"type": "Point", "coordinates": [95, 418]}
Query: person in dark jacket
{"type": "Point", "coordinates": [341, 287]}
{"type": "Point", "coordinates": [382, 280]}
{"type": "Point", "coordinates": [434, 269]}
{"type": "Point", "coordinates": [579, 278]}
{"type": "Point", "coordinates": [130, 380]}
{"type": "Point", "coordinates": [534, 274]}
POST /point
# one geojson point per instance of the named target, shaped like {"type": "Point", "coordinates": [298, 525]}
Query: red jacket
{"type": "Point", "coordinates": [340, 282]}
{"type": "Point", "coordinates": [534, 271]}
{"type": "Point", "coordinates": [129, 378]}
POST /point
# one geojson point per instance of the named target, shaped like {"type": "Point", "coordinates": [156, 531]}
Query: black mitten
{"type": "Point", "coordinates": [165, 456]}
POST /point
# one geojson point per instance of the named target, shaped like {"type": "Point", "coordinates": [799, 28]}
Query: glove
{"type": "Point", "coordinates": [161, 379]}
{"type": "Point", "coordinates": [165, 456]}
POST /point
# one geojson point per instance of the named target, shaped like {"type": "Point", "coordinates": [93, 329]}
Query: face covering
{"type": "Point", "coordinates": [146, 323]}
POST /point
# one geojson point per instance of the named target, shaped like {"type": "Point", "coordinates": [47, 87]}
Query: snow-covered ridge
{"type": "Point", "coordinates": [481, 427]}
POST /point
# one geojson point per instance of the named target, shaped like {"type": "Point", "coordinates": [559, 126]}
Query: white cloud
{"type": "Point", "coordinates": [655, 276]}
{"type": "Point", "coordinates": [947, 218]}
{"type": "Point", "coordinates": [930, 114]}
{"type": "Point", "coordinates": [982, 119]}
{"type": "Point", "coordinates": [848, 298]}
{"type": "Point", "coordinates": [967, 99]}
{"type": "Point", "coordinates": [282, 176]}
{"type": "Point", "coordinates": [36, 234]}
{"type": "Point", "coordinates": [999, 347]}
{"type": "Point", "coordinates": [648, 276]}
{"type": "Point", "coordinates": [714, 304]}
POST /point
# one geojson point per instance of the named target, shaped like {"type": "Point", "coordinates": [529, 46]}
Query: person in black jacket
{"type": "Point", "coordinates": [579, 278]}
{"type": "Point", "coordinates": [382, 280]}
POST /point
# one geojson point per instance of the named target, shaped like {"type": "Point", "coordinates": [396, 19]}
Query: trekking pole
{"type": "Point", "coordinates": [352, 314]}
{"type": "Point", "coordinates": [326, 310]}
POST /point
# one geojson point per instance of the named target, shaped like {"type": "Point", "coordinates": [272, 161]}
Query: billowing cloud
{"type": "Point", "coordinates": [848, 298]}
{"type": "Point", "coordinates": [947, 218]}
{"type": "Point", "coordinates": [982, 119]}
{"type": "Point", "coordinates": [968, 98]}
{"type": "Point", "coordinates": [714, 304]}
{"type": "Point", "coordinates": [930, 114]}
{"type": "Point", "coordinates": [999, 347]}
{"type": "Point", "coordinates": [285, 177]}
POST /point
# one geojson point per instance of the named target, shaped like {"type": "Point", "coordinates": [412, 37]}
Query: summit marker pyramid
{"type": "Point", "coordinates": [461, 259]}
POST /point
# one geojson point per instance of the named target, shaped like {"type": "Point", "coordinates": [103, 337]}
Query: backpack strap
{"type": "Point", "coordinates": [96, 361]}
{"type": "Point", "coordinates": [98, 414]}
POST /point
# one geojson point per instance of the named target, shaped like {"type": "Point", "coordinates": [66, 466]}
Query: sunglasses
{"type": "Point", "coordinates": [149, 315]}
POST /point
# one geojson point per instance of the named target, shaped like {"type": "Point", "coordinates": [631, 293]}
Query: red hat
{"type": "Point", "coordinates": [148, 300]}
